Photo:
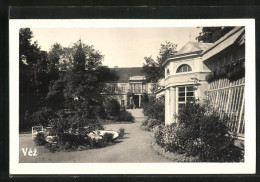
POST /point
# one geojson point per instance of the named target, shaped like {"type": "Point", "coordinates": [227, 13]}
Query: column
{"type": "Point", "coordinates": [140, 98]}
{"type": "Point", "coordinates": [172, 105]}
{"type": "Point", "coordinates": [167, 104]}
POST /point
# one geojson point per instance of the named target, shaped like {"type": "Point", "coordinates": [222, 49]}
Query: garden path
{"type": "Point", "coordinates": [134, 147]}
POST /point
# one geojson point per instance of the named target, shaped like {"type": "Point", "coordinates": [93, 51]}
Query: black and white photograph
{"type": "Point", "coordinates": [146, 94]}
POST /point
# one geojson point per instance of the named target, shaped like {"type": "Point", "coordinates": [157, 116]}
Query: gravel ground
{"type": "Point", "coordinates": [134, 147]}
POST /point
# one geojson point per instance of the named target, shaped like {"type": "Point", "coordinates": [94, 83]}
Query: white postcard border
{"type": "Point", "coordinates": [247, 167]}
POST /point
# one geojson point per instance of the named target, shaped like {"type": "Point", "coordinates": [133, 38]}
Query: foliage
{"type": "Point", "coordinates": [43, 116]}
{"type": "Point", "coordinates": [200, 132]}
{"type": "Point", "coordinates": [145, 98]}
{"type": "Point", "coordinates": [175, 157]}
{"type": "Point", "coordinates": [124, 116]}
{"type": "Point", "coordinates": [108, 137]}
{"type": "Point", "coordinates": [33, 78]}
{"type": "Point", "coordinates": [55, 97]}
{"type": "Point", "coordinates": [81, 84]}
{"type": "Point", "coordinates": [36, 71]}
{"type": "Point", "coordinates": [234, 71]}
{"type": "Point", "coordinates": [154, 70]}
{"type": "Point", "coordinates": [54, 56]}
{"type": "Point", "coordinates": [72, 130]}
{"type": "Point", "coordinates": [158, 135]}
{"type": "Point", "coordinates": [112, 107]}
{"type": "Point", "coordinates": [212, 34]}
{"type": "Point", "coordinates": [106, 74]}
{"type": "Point", "coordinates": [121, 132]}
{"type": "Point", "coordinates": [166, 51]}
{"type": "Point", "coordinates": [102, 113]}
{"type": "Point", "coordinates": [40, 139]}
{"type": "Point", "coordinates": [144, 123]}
{"type": "Point", "coordinates": [154, 109]}
{"type": "Point", "coordinates": [72, 140]}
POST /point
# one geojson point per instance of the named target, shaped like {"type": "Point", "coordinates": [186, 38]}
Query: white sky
{"type": "Point", "coordinates": [122, 47]}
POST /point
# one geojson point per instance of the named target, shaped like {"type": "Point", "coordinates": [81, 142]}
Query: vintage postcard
{"type": "Point", "coordinates": [106, 96]}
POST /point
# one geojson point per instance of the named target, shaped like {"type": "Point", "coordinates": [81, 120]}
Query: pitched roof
{"type": "Point", "coordinates": [189, 48]}
{"type": "Point", "coordinates": [125, 73]}
{"type": "Point", "coordinates": [193, 47]}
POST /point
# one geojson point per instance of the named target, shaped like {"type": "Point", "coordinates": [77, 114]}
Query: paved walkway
{"type": "Point", "coordinates": [134, 147]}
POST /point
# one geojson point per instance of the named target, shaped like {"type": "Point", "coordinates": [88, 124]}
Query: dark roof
{"type": "Point", "coordinates": [125, 73]}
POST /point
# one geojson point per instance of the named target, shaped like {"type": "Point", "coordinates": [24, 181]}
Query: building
{"type": "Point", "coordinates": [215, 72]}
{"type": "Point", "coordinates": [226, 60]}
{"type": "Point", "coordinates": [129, 88]}
{"type": "Point", "coordinates": [184, 81]}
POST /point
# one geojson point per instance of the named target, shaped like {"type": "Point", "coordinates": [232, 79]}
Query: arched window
{"type": "Point", "coordinates": [183, 68]}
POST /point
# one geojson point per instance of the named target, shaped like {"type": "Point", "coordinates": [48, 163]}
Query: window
{"type": "Point", "coordinates": [183, 68]}
{"type": "Point", "coordinates": [113, 89]}
{"type": "Point", "coordinates": [185, 95]}
{"type": "Point", "coordinates": [123, 88]}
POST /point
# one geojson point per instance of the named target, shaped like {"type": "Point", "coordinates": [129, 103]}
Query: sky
{"type": "Point", "coordinates": [122, 47]}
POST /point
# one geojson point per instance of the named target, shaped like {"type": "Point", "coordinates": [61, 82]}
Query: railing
{"type": "Point", "coordinates": [137, 91]}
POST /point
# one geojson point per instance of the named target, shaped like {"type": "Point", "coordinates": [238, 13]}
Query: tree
{"type": "Point", "coordinates": [154, 70]}
{"type": "Point", "coordinates": [32, 77]}
{"type": "Point", "coordinates": [93, 58]}
{"type": "Point", "coordinates": [212, 34]}
{"type": "Point", "coordinates": [55, 97]}
{"type": "Point", "coordinates": [81, 81]}
{"type": "Point", "coordinates": [55, 54]}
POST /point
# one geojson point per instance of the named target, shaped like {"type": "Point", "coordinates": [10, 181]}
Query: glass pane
{"type": "Point", "coordinates": [182, 94]}
{"type": "Point", "coordinates": [181, 99]}
{"type": "Point", "coordinates": [189, 68]}
{"type": "Point", "coordinates": [185, 69]}
{"type": "Point", "coordinates": [190, 94]}
{"type": "Point", "coordinates": [190, 99]}
{"type": "Point", "coordinates": [189, 88]}
{"type": "Point", "coordinates": [181, 89]}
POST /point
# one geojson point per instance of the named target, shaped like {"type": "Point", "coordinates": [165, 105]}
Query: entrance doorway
{"type": "Point", "coordinates": [136, 100]}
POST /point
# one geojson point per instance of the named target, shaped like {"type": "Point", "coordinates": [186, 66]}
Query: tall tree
{"type": "Point", "coordinates": [33, 85]}
{"type": "Point", "coordinates": [153, 69]}
{"type": "Point", "coordinates": [81, 81]}
{"type": "Point", "coordinates": [212, 34]}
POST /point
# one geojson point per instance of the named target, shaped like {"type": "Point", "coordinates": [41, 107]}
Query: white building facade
{"type": "Point", "coordinates": [184, 81]}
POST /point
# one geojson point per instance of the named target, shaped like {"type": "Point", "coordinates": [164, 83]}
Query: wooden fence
{"type": "Point", "coordinates": [227, 97]}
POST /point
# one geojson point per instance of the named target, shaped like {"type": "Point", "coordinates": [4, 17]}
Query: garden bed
{"type": "Point", "coordinates": [175, 157]}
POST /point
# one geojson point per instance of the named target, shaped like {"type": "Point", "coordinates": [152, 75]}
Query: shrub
{"type": "Point", "coordinates": [73, 140]}
{"type": "Point", "coordinates": [43, 116]}
{"type": "Point", "coordinates": [108, 137]}
{"type": "Point", "coordinates": [154, 109]}
{"type": "Point", "coordinates": [149, 124]}
{"type": "Point", "coordinates": [125, 116]}
{"type": "Point", "coordinates": [158, 135]}
{"type": "Point", "coordinates": [121, 133]}
{"type": "Point", "coordinates": [72, 130]}
{"type": "Point", "coordinates": [112, 107]}
{"type": "Point", "coordinates": [102, 113]}
{"type": "Point", "coordinates": [199, 133]}
{"type": "Point", "coordinates": [40, 139]}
